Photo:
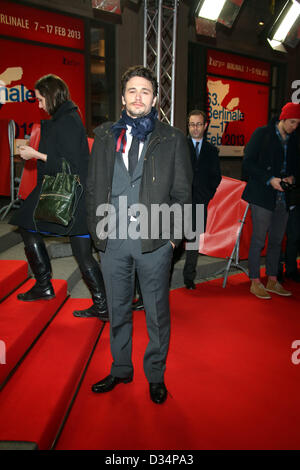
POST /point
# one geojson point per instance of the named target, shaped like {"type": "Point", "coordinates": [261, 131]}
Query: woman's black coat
{"type": "Point", "coordinates": [63, 136]}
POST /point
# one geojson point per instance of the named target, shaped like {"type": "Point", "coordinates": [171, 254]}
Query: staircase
{"type": "Point", "coordinates": [44, 350]}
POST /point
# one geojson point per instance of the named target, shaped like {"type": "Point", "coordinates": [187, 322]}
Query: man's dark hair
{"type": "Point", "coordinates": [139, 71]}
{"type": "Point", "coordinates": [54, 90]}
{"type": "Point", "coordinates": [197, 112]}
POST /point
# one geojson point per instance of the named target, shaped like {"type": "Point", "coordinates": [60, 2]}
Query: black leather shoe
{"type": "Point", "coordinates": [107, 384]}
{"type": "Point", "coordinates": [158, 393]}
{"type": "Point", "coordinates": [294, 276]}
{"type": "Point", "coordinates": [190, 285]}
{"type": "Point", "coordinates": [91, 312]}
{"type": "Point", "coordinates": [138, 305]}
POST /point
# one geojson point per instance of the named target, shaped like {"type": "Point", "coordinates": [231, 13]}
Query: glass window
{"type": "Point", "coordinates": [102, 73]}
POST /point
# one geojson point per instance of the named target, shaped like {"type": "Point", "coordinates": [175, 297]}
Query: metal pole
{"type": "Point", "coordinates": [173, 63]}
{"type": "Point", "coordinates": [145, 31]}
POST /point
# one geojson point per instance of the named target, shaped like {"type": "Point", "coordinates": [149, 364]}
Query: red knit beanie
{"type": "Point", "coordinates": [290, 111]}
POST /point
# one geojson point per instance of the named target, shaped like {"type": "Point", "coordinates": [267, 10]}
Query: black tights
{"type": "Point", "coordinates": [81, 248]}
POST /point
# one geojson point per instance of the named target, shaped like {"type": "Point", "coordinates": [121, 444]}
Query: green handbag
{"type": "Point", "coordinates": [59, 197]}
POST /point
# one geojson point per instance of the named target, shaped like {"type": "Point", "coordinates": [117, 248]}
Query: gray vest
{"type": "Point", "coordinates": [125, 193]}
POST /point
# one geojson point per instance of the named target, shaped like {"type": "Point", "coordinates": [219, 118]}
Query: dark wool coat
{"type": "Point", "coordinates": [263, 160]}
{"type": "Point", "coordinates": [166, 179]}
{"type": "Point", "coordinates": [207, 173]}
{"type": "Point", "coordinates": [63, 136]}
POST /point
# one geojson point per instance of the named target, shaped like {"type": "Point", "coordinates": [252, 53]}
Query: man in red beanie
{"type": "Point", "coordinates": [270, 161]}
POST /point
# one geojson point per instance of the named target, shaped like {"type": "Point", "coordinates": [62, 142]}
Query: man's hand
{"type": "Point", "coordinates": [275, 183]}
{"type": "Point", "coordinates": [289, 179]}
{"type": "Point", "coordinates": [173, 245]}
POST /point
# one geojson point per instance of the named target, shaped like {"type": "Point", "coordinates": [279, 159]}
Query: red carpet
{"type": "Point", "coordinates": [21, 322]}
{"type": "Point", "coordinates": [35, 399]}
{"type": "Point", "coordinates": [231, 381]}
{"type": "Point", "coordinates": [11, 275]}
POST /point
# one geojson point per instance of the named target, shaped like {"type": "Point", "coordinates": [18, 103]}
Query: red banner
{"type": "Point", "coordinates": [21, 66]}
{"type": "Point", "coordinates": [21, 21]}
{"type": "Point", "coordinates": [4, 158]}
{"type": "Point", "coordinates": [233, 65]}
{"type": "Point", "coordinates": [235, 110]}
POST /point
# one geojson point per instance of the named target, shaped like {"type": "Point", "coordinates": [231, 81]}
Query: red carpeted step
{"type": "Point", "coordinates": [231, 380]}
{"type": "Point", "coordinates": [35, 399]}
{"type": "Point", "coordinates": [21, 322]}
{"type": "Point", "coordinates": [12, 274]}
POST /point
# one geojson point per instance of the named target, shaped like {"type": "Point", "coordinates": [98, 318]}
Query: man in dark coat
{"type": "Point", "coordinates": [293, 228]}
{"type": "Point", "coordinates": [137, 164]}
{"type": "Point", "coordinates": [207, 177]}
{"type": "Point", "coordinates": [270, 161]}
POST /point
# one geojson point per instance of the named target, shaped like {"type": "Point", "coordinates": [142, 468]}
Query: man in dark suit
{"type": "Point", "coordinates": [206, 179]}
{"type": "Point", "coordinates": [146, 163]}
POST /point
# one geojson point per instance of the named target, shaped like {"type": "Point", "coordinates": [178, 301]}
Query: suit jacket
{"type": "Point", "coordinates": [166, 179]}
{"type": "Point", "coordinates": [207, 172]}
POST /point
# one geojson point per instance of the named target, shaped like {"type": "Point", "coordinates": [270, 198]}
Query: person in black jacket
{"type": "Point", "coordinates": [293, 227]}
{"type": "Point", "coordinates": [62, 136]}
{"type": "Point", "coordinates": [270, 161]}
{"type": "Point", "coordinates": [137, 165]}
{"type": "Point", "coordinates": [206, 178]}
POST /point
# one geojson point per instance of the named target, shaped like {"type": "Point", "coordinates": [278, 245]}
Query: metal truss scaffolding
{"type": "Point", "coordinates": [160, 31]}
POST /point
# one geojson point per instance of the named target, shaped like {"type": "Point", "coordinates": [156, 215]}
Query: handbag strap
{"type": "Point", "coordinates": [65, 166]}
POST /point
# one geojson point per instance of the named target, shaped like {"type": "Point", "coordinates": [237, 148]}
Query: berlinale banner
{"type": "Point", "coordinates": [236, 107]}
{"type": "Point", "coordinates": [23, 63]}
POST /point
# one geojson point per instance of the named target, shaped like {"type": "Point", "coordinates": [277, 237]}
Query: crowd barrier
{"type": "Point", "coordinates": [224, 219]}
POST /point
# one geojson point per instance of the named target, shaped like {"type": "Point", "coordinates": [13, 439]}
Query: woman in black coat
{"type": "Point", "coordinates": [63, 136]}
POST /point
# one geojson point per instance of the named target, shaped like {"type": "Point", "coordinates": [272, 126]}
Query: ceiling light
{"type": "Point", "coordinates": [283, 25]}
{"type": "Point", "coordinates": [287, 22]}
{"type": "Point", "coordinates": [211, 9]}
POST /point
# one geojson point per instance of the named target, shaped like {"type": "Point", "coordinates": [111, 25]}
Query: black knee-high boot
{"type": "Point", "coordinates": [139, 303]}
{"type": "Point", "coordinates": [94, 280]}
{"type": "Point", "coordinates": [40, 265]}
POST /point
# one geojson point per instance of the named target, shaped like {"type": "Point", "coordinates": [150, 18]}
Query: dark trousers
{"type": "Point", "coordinates": [292, 240]}
{"type": "Point", "coordinates": [274, 223]}
{"type": "Point", "coordinates": [191, 256]}
{"type": "Point", "coordinates": [119, 262]}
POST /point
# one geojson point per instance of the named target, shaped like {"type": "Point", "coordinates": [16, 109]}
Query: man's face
{"type": "Point", "coordinates": [290, 125]}
{"type": "Point", "coordinates": [138, 97]}
{"type": "Point", "coordinates": [197, 126]}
